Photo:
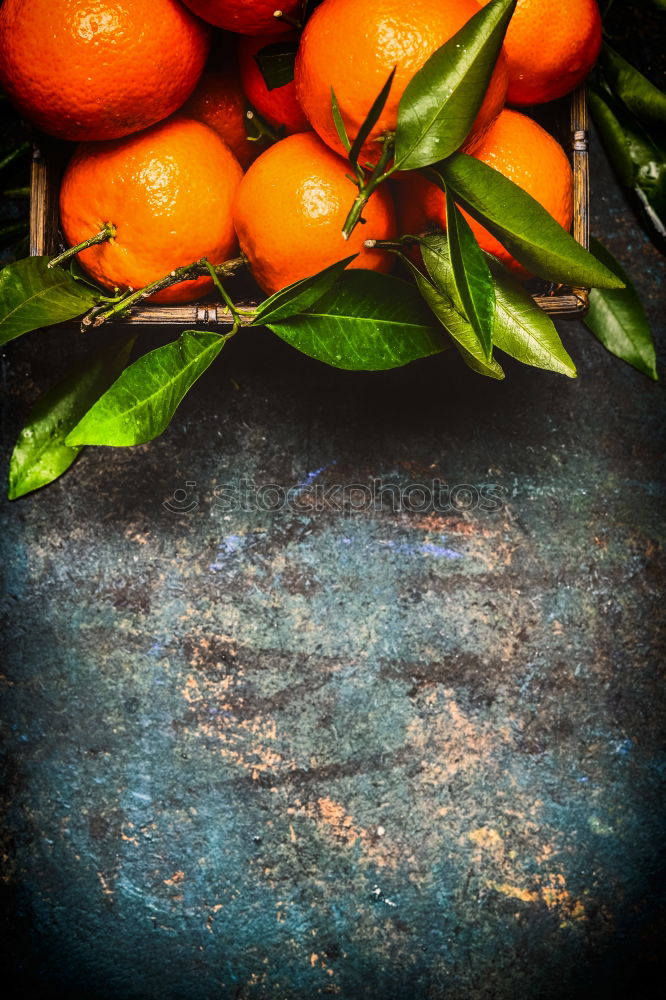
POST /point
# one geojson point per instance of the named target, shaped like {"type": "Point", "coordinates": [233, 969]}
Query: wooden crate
{"type": "Point", "coordinates": [50, 158]}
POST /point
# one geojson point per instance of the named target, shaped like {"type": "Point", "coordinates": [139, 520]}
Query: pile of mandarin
{"type": "Point", "coordinates": [185, 153]}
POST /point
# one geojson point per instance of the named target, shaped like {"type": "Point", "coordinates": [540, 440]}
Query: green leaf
{"type": "Point", "coordinates": [617, 318]}
{"type": "Point", "coordinates": [525, 228]}
{"type": "Point", "coordinates": [634, 90]}
{"type": "Point", "coordinates": [366, 322]}
{"type": "Point", "coordinates": [524, 331]}
{"type": "Point", "coordinates": [276, 63]}
{"type": "Point", "coordinates": [459, 329]}
{"type": "Point", "coordinates": [440, 292]}
{"type": "Point", "coordinates": [441, 101]}
{"type": "Point", "coordinates": [520, 328]}
{"type": "Point", "coordinates": [471, 276]}
{"type": "Point", "coordinates": [612, 134]}
{"type": "Point", "coordinates": [33, 295]}
{"type": "Point", "coordinates": [300, 295]}
{"type": "Point", "coordinates": [140, 404]}
{"type": "Point", "coordinates": [40, 454]}
{"type": "Point", "coordinates": [371, 119]}
{"type": "Point", "coordinates": [338, 122]}
{"type": "Point", "coordinates": [639, 157]}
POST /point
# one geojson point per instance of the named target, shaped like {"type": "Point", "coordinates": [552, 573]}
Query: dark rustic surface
{"type": "Point", "coordinates": [364, 754]}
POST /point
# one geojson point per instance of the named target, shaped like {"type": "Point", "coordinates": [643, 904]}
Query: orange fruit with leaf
{"type": "Point", "coordinates": [352, 48]}
{"type": "Point", "coordinates": [290, 208]}
{"type": "Point", "coordinates": [168, 193]}
{"type": "Point", "coordinates": [517, 147]}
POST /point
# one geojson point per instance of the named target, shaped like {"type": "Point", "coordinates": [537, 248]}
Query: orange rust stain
{"type": "Point", "coordinates": [449, 741]}
{"type": "Point", "coordinates": [248, 743]}
{"type": "Point", "coordinates": [514, 892]}
{"type": "Point", "coordinates": [333, 814]}
{"type": "Point", "coordinates": [333, 820]}
{"type": "Point", "coordinates": [175, 878]}
{"type": "Point", "coordinates": [552, 892]}
{"type": "Point", "coordinates": [106, 888]}
{"type": "Point", "coordinates": [488, 839]}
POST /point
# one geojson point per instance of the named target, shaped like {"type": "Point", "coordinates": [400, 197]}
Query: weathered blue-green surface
{"type": "Point", "coordinates": [365, 754]}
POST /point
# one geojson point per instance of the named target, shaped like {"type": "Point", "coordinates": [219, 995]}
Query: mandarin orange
{"type": "Point", "coordinates": [219, 101]}
{"type": "Point", "coordinates": [352, 48]}
{"type": "Point", "coordinates": [550, 48]}
{"type": "Point", "coordinates": [167, 190]}
{"type": "Point", "coordinates": [86, 71]}
{"type": "Point", "coordinates": [290, 209]}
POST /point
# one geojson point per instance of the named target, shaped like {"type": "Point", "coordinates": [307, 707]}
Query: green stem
{"type": "Point", "coordinates": [221, 289]}
{"type": "Point", "coordinates": [377, 177]}
{"type": "Point", "coordinates": [264, 131]}
{"type": "Point", "coordinates": [198, 269]}
{"type": "Point", "coordinates": [20, 192]}
{"type": "Point", "coordinates": [107, 232]}
{"type": "Point", "coordinates": [14, 155]}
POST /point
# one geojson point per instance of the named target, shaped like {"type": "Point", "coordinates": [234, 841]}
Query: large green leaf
{"type": "Point", "coordinates": [617, 318]}
{"type": "Point", "coordinates": [520, 328]}
{"type": "Point", "coordinates": [527, 230]}
{"type": "Point", "coordinates": [40, 454]}
{"type": "Point", "coordinates": [300, 295]}
{"type": "Point", "coordinates": [441, 101]}
{"type": "Point", "coordinates": [634, 90]}
{"type": "Point", "coordinates": [366, 322]}
{"type": "Point", "coordinates": [32, 295]}
{"type": "Point", "coordinates": [141, 403]}
{"type": "Point", "coordinates": [471, 275]}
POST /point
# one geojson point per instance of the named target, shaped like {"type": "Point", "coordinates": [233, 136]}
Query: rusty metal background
{"type": "Point", "coordinates": [379, 754]}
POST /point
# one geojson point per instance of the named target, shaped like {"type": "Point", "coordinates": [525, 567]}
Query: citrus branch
{"type": "Point", "coordinates": [107, 232]}
{"type": "Point", "coordinates": [368, 185]}
{"type": "Point", "coordinates": [199, 269]}
{"type": "Point", "coordinates": [221, 289]}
